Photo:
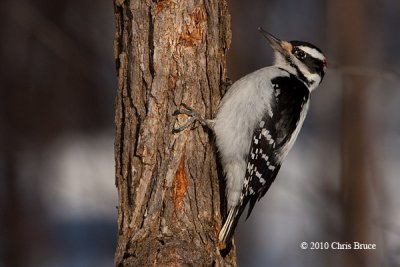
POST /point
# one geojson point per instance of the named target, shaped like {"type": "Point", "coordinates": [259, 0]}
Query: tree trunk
{"type": "Point", "coordinates": [351, 30]}
{"type": "Point", "coordinates": [167, 53]}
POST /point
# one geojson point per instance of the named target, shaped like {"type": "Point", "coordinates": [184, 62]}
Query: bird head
{"type": "Point", "coordinates": [302, 59]}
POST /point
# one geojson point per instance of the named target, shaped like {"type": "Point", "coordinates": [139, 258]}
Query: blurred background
{"type": "Point", "coordinates": [339, 183]}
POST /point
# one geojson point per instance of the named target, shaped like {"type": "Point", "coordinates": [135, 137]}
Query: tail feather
{"type": "Point", "coordinates": [227, 231]}
{"type": "Point", "coordinates": [253, 201]}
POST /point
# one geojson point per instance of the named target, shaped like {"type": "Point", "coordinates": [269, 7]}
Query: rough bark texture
{"type": "Point", "coordinates": [167, 53]}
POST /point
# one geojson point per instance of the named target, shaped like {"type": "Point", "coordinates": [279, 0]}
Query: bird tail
{"type": "Point", "coordinates": [227, 231]}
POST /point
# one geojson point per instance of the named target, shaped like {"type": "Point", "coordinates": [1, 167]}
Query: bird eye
{"type": "Point", "coordinates": [299, 54]}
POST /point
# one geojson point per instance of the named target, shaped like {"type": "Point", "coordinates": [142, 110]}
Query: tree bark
{"type": "Point", "coordinates": [168, 52]}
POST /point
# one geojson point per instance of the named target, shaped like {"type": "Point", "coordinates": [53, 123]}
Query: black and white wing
{"type": "Point", "coordinates": [274, 137]}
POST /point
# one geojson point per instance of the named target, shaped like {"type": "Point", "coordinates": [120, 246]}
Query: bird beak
{"type": "Point", "coordinates": [283, 47]}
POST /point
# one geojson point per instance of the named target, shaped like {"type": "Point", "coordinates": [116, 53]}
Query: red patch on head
{"type": "Point", "coordinates": [325, 62]}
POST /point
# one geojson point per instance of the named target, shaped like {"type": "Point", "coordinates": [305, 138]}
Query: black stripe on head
{"type": "Point", "coordinates": [314, 65]}
{"type": "Point", "coordinates": [301, 43]}
{"type": "Point", "coordinates": [301, 75]}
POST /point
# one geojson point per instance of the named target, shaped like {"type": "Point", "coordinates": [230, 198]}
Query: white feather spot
{"type": "Point", "coordinates": [271, 141]}
{"type": "Point", "coordinates": [271, 167]}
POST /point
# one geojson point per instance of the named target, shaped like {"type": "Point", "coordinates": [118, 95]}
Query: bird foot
{"type": "Point", "coordinates": [194, 117]}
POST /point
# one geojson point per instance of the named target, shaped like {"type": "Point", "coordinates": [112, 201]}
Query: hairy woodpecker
{"type": "Point", "coordinates": [258, 121]}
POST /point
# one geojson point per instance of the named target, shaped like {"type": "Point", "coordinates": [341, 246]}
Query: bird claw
{"type": "Point", "coordinates": [189, 111]}
{"type": "Point", "coordinates": [194, 117]}
{"type": "Point", "coordinates": [189, 122]}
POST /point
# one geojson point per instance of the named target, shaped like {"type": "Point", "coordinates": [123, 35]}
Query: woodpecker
{"type": "Point", "coordinates": [258, 121]}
